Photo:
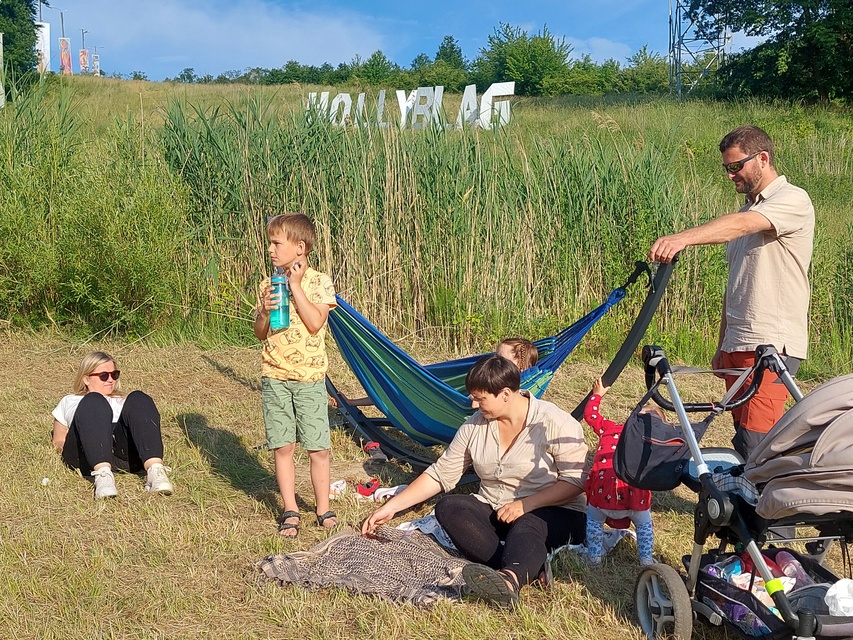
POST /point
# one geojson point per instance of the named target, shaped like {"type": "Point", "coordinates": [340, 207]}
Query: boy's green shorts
{"type": "Point", "coordinates": [296, 412]}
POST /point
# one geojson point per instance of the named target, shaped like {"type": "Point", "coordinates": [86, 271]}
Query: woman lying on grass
{"type": "Point", "coordinates": [529, 455]}
{"type": "Point", "coordinates": [97, 429]}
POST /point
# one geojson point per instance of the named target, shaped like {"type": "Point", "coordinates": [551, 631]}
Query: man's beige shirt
{"type": "Point", "coordinates": [551, 448]}
{"type": "Point", "coordinates": [767, 296]}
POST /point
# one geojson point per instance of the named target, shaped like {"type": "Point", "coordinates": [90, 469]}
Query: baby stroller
{"type": "Point", "coordinates": [800, 475]}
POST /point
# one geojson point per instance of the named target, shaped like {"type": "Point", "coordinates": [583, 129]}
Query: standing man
{"type": "Point", "coordinates": [768, 249]}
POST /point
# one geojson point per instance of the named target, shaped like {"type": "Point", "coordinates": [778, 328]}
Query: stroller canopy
{"type": "Point", "coordinates": [805, 463]}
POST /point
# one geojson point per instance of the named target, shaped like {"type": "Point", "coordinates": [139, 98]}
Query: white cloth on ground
{"type": "Point", "coordinates": [429, 525]}
{"type": "Point", "coordinates": [610, 538]}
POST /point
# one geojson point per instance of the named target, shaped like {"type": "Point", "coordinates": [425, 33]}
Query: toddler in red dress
{"type": "Point", "coordinates": [606, 495]}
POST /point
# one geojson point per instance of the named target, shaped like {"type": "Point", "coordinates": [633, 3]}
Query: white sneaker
{"type": "Point", "coordinates": [158, 481]}
{"type": "Point", "coordinates": [105, 483]}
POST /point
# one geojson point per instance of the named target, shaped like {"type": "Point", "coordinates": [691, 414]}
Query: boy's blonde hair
{"type": "Point", "coordinates": [524, 352]}
{"type": "Point", "coordinates": [92, 361]}
{"type": "Point", "coordinates": [296, 227]}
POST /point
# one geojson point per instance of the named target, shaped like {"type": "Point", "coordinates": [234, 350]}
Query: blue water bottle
{"type": "Point", "coordinates": [280, 316]}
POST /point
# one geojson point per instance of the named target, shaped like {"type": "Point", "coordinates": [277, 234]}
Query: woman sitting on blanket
{"type": "Point", "coordinates": [530, 457]}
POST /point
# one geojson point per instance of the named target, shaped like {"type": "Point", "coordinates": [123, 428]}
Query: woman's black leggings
{"type": "Point", "coordinates": [476, 531]}
{"type": "Point", "coordinates": [94, 438]}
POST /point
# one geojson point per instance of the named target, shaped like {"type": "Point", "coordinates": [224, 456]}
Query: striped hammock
{"type": "Point", "coordinates": [429, 403]}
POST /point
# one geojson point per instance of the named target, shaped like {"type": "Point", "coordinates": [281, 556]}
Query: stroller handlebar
{"type": "Point", "coordinates": [656, 365]}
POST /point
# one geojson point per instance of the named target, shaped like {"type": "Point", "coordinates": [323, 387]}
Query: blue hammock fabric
{"type": "Point", "coordinates": [429, 403]}
{"type": "Point", "coordinates": [553, 350]}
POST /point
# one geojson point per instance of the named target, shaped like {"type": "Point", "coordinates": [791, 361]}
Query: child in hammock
{"type": "Point", "coordinates": [521, 351]}
{"type": "Point", "coordinates": [606, 495]}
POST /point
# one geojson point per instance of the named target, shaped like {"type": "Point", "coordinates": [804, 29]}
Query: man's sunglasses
{"type": "Point", "coordinates": [737, 165]}
{"type": "Point", "coordinates": [103, 376]}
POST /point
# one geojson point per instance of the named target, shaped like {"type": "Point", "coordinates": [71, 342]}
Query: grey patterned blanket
{"type": "Point", "coordinates": [392, 564]}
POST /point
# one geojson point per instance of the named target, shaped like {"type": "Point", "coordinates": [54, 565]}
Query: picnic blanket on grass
{"type": "Point", "coordinates": [393, 564]}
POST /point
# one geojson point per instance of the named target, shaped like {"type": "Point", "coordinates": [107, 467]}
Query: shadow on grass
{"type": "Point", "coordinates": [228, 372]}
{"type": "Point", "coordinates": [231, 460]}
{"type": "Point", "coordinates": [667, 501]}
{"type": "Point", "coordinates": [611, 583]}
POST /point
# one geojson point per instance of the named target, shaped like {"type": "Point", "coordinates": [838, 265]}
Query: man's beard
{"type": "Point", "coordinates": [749, 183]}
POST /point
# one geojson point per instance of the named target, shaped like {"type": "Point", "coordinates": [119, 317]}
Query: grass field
{"type": "Point", "coordinates": [131, 219]}
{"type": "Point", "coordinates": [181, 567]}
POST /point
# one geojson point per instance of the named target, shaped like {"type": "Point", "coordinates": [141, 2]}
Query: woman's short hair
{"type": "Point", "coordinates": [90, 362]}
{"type": "Point", "coordinates": [492, 374]}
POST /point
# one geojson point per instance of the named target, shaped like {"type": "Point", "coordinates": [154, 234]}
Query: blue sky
{"type": "Point", "coordinates": [162, 37]}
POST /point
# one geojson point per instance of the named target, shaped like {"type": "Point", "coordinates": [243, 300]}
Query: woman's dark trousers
{"type": "Point", "coordinates": [476, 531]}
{"type": "Point", "coordinates": [94, 437]}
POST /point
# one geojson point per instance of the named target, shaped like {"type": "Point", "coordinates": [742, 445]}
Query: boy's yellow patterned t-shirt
{"type": "Point", "coordinates": [293, 353]}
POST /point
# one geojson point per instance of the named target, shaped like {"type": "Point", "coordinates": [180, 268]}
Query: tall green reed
{"type": "Point", "coordinates": [455, 237]}
{"type": "Point", "coordinates": [36, 147]}
{"type": "Point", "coordinates": [88, 236]}
{"type": "Point", "coordinates": [468, 234]}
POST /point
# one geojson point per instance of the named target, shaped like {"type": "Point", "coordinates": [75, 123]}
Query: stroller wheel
{"type": "Point", "coordinates": [663, 604]}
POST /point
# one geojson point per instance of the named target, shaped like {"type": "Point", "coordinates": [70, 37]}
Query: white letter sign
{"type": "Point", "coordinates": [420, 108]}
{"type": "Point", "coordinates": [495, 115]}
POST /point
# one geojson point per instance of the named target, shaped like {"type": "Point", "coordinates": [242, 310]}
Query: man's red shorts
{"type": "Point", "coordinates": [766, 406]}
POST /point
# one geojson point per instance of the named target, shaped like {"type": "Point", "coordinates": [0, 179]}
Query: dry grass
{"type": "Point", "coordinates": [182, 567]}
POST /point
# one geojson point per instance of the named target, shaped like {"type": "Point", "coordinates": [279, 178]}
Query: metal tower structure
{"type": "Point", "coordinates": [692, 54]}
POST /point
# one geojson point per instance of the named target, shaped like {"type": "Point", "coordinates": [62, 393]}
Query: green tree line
{"type": "Point", "coordinates": [18, 26]}
{"type": "Point", "coordinates": [541, 64]}
{"type": "Point", "coordinates": [806, 53]}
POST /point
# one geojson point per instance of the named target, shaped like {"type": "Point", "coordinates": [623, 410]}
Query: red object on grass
{"type": "Point", "coordinates": [368, 488]}
{"type": "Point", "coordinates": [749, 566]}
{"type": "Point", "coordinates": [375, 452]}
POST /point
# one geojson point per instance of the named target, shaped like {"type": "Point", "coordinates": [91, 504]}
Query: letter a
{"type": "Point", "coordinates": [468, 110]}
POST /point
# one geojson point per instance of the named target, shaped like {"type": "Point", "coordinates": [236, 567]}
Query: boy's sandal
{"type": "Point", "coordinates": [496, 587]}
{"type": "Point", "coordinates": [329, 515]}
{"type": "Point", "coordinates": [284, 525]}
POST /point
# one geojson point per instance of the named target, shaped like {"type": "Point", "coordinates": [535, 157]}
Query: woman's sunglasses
{"type": "Point", "coordinates": [103, 376]}
{"type": "Point", "coordinates": [737, 165]}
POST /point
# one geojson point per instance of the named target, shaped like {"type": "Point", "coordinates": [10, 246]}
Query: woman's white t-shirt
{"type": "Point", "coordinates": [64, 411]}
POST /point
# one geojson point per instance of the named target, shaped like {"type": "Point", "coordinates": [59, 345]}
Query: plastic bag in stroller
{"type": "Point", "coordinates": [801, 475]}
